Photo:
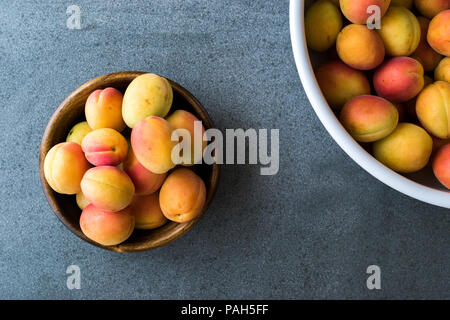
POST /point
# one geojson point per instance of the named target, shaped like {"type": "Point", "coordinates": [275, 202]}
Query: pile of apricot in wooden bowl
{"type": "Point", "coordinates": [117, 165]}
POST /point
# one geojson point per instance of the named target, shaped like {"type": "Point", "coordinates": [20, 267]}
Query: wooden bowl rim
{"type": "Point", "coordinates": [181, 228]}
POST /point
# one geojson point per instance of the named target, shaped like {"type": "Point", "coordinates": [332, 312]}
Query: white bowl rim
{"type": "Point", "coordinates": [338, 133]}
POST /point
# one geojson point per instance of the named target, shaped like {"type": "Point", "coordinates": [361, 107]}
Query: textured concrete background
{"type": "Point", "coordinates": [308, 232]}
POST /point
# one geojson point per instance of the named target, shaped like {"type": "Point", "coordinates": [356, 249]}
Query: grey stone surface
{"type": "Point", "coordinates": [308, 232]}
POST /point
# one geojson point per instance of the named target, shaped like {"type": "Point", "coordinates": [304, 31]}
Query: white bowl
{"type": "Point", "coordinates": [422, 185]}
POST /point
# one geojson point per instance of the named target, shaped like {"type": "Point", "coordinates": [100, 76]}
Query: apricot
{"type": "Point", "coordinates": [406, 150]}
{"type": "Point", "coordinates": [105, 147]}
{"type": "Point", "coordinates": [360, 47]}
{"type": "Point", "coordinates": [369, 118]}
{"type": "Point", "coordinates": [64, 167]}
{"type": "Point", "coordinates": [323, 21]}
{"type": "Point", "coordinates": [78, 132]}
{"type": "Point", "coordinates": [152, 144]}
{"type": "Point", "coordinates": [399, 79]}
{"type": "Point", "coordinates": [442, 71]}
{"type": "Point", "coordinates": [439, 33]}
{"type": "Point", "coordinates": [147, 95]}
{"type": "Point", "coordinates": [430, 8]}
{"type": "Point", "coordinates": [433, 108]}
{"type": "Point", "coordinates": [181, 119]}
{"type": "Point", "coordinates": [145, 181]}
{"type": "Point", "coordinates": [108, 188]}
{"type": "Point", "coordinates": [405, 3]}
{"type": "Point", "coordinates": [104, 109]}
{"type": "Point", "coordinates": [182, 195]}
{"type": "Point", "coordinates": [82, 202]}
{"type": "Point", "coordinates": [105, 227]}
{"type": "Point", "coordinates": [424, 53]}
{"type": "Point", "coordinates": [356, 11]}
{"type": "Point", "coordinates": [340, 83]}
{"type": "Point", "coordinates": [400, 31]}
{"type": "Point", "coordinates": [441, 165]}
{"type": "Point", "coordinates": [147, 212]}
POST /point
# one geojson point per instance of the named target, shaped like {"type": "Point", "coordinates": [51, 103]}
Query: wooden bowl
{"type": "Point", "coordinates": [421, 185]}
{"type": "Point", "coordinates": [70, 112]}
